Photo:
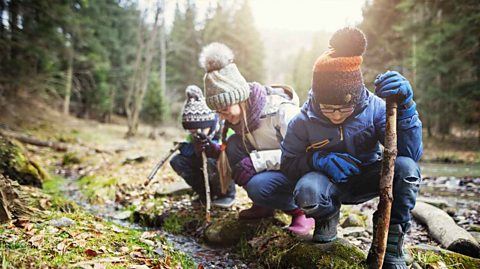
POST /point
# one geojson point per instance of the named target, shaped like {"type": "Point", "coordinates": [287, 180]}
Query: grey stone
{"type": "Point", "coordinates": [353, 231]}
{"type": "Point", "coordinates": [61, 222]}
{"type": "Point", "coordinates": [123, 215]}
{"type": "Point", "coordinates": [353, 220]}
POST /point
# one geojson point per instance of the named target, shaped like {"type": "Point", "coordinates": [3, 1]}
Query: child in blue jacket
{"type": "Point", "coordinates": [332, 147]}
{"type": "Point", "coordinates": [203, 126]}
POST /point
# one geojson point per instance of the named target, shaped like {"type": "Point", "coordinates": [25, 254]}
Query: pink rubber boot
{"type": "Point", "coordinates": [301, 225]}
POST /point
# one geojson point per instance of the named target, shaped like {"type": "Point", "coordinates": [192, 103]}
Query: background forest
{"type": "Point", "coordinates": [95, 59]}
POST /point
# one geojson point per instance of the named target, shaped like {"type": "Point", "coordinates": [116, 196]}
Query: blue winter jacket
{"type": "Point", "coordinates": [359, 135]}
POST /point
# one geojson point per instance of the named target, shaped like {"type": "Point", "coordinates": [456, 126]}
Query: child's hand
{"type": "Point", "coordinates": [392, 83]}
{"type": "Point", "coordinates": [186, 149]}
{"type": "Point", "coordinates": [339, 166]}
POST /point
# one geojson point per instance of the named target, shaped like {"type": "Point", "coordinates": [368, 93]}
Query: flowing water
{"type": "Point", "coordinates": [207, 256]}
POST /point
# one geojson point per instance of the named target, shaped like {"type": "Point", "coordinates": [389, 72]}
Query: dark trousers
{"type": "Point", "coordinates": [190, 169]}
{"type": "Point", "coordinates": [319, 197]}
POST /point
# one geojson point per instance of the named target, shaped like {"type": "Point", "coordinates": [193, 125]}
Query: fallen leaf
{"type": "Point", "coordinates": [99, 266]}
{"type": "Point", "coordinates": [81, 243]}
{"type": "Point", "coordinates": [147, 242]}
{"type": "Point", "coordinates": [21, 223]}
{"type": "Point", "coordinates": [137, 255]}
{"type": "Point", "coordinates": [143, 266]}
{"type": "Point", "coordinates": [200, 266]}
{"type": "Point", "coordinates": [29, 227]}
{"type": "Point", "coordinates": [36, 240]}
{"type": "Point", "coordinates": [61, 246]}
{"type": "Point", "coordinates": [90, 252]}
{"type": "Point", "coordinates": [118, 230]}
{"type": "Point", "coordinates": [45, 204]}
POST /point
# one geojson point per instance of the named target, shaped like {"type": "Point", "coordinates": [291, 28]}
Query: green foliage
{"type": "Point", "coordinates": [155, 106]}
{"type": "Point", "coordinates": [435, 45]}
{"type": "Point", "coordinates": [300, 76]}
{"type": "Point", "coordinates": [184, 45]}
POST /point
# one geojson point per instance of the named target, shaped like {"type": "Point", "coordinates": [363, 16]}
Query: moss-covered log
{"type": "Point", "coordinates": [16, 166]}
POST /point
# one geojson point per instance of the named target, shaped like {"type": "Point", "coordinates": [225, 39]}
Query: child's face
{"type": "Point", "coordinates": [194, 131]}
{"type": "Point", "coordinates": [337, 113]}
{"type": "Point", "coordinates": [231, 113]}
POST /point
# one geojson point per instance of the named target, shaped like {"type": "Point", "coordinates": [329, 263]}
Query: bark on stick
{"type": "Point", "coordinates": [386, 182]}
{"type": "Point", "coordinates": [207, 186]}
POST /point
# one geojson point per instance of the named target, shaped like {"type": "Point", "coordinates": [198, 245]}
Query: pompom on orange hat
{"type": "Point", "coordinates": [337, 78]}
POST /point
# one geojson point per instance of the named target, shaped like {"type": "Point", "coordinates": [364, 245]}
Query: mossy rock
{"type": "Point", "coordinates": [278, 249]}
{"type": "Point", "coordinates": [337, 254]}
{"type": "Point", "coordinates": [229, 230]}
{"type": "Point", "coordinates": [430, 257]}
{"type": "Point", "coordinates": [16, 166]}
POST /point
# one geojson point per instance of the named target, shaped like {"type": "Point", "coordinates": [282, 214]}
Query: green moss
{"type": "Point", "coordinates": [70, 158]}
{"type": "Point", "coordinates": [16, 166]}
{"type": "Point", "coordinates": [426, 258]}
{"type": "Point", "coordinates": [97, 189]}
{"type": "Point", "coordinates": [176, 223]}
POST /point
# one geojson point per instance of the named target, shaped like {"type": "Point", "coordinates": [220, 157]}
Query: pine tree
{"type": "Point", "coordinates": [183, 50]}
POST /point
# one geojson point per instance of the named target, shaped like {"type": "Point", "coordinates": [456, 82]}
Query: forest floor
{"type": "Point", "coordinates": [104, 172]}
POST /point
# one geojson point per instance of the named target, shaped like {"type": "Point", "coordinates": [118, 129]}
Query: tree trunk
{"type": "Point", "coordinates": [163, 57]}
{"type": "Point", "coordinates": [13, 23]}
{"type": "Point", "coordinates": [10, 202]}
{"type": "Point", "coordinates": [386, 183]}
{"type": "Point", "coordinates": [68, 82]}
{"type": "Point", "coordinates": [2, 27]}
{"type": "Point", "coordinates": [443, 229]}
{"type": "Point", "coordinates": [141, 78]}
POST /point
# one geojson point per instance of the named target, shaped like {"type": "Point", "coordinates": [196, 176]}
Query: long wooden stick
{"type": "Point", "coordinates": [207, 186]}
{"type": "Point", "coordinates": [386, 183]}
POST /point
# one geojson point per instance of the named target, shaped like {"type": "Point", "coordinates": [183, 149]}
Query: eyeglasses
{"type": "Point", "coordinates": [347, 109]}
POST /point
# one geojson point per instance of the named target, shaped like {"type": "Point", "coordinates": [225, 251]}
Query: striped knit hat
{"type": "Point", "coordinates": [337, 78]}
{"type": "Point", "coordinates": [224, 85]}
{"type": "Point", "coordinates": [195, 113]}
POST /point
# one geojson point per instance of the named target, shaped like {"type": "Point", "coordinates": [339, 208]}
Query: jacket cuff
{"type": "Point", "coordinates": [407, 112]}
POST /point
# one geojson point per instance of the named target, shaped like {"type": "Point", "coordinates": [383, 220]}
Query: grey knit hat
{"type": "Point", "coordinates": [195, 113]}
{"type": "Point", "coordinates": [224, 85]}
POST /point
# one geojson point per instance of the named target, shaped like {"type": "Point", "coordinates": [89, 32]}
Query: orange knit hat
{"type": "Point", "coordinates": [337, 78]}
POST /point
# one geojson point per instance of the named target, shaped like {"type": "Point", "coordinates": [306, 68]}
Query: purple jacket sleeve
{"type": "Point", "coordinates": [296, 162]}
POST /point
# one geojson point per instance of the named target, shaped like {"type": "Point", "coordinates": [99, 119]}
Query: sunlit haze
{"type": "Point", "coordinates": [301, 15]}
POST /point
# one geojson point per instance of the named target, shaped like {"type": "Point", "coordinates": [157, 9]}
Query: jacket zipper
{"type": "Point", "coordinates": [341, 133]}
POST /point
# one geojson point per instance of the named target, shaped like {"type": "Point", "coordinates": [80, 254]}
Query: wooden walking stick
{"type": "Point", "coordinates": [207, 186]}
{"type": "Point", "coordinates": [386, 182]}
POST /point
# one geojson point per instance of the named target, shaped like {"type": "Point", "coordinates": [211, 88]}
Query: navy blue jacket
{"type": "Point", "coordinates": [359, 135]}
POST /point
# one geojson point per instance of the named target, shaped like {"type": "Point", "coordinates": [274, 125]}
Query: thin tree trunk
{"type": "Point", "coordinates": [163, 56]}
{"type": "Point", "coordinates": [13, 22]}
{"type": "Point", "coordinates": [138, 93]}
{"type": "Point", "coordinates": [68, 84]}
{"type": "Point", "coordinates": [386, 183]}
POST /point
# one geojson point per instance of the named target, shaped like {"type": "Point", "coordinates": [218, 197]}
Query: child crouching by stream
{"type": "Point", "coordinates": [203, 126]}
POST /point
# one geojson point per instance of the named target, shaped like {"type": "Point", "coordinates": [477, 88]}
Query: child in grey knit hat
{"type": "Point", "coordinates": [259, 115]}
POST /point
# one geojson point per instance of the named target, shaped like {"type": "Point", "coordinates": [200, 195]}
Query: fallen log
{"type": "Point", "coordinates": [36, 142]}
{"type": "Point", "coordinates": [444, 229]}
{"type": "Point", "coordinates": [58, 146]}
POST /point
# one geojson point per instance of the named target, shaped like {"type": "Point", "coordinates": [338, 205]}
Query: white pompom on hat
{"type": "Point", "coordinates": [224, 85]}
